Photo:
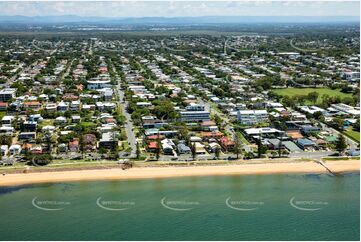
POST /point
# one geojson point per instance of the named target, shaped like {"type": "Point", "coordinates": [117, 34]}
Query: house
{"type": "Point", "coordinates": [62, 106]}
{"type": "Point", "coordinates": [62, 148]}
{"type": "Point", "coordinates": [26, 147]}
{"type": "Point", "coordinates": [195, 107]}
{"type": "Point", "coordinates": [155, 137]}
{"type": "Point", "coordinates": [7, 130]}
{"type": "Point", "coordinates": [265, 132]}
{"type": "Point", "coordinates": [35, 117]}
{"type": "Point", "coordinates": [75, 119]}
{"type": "Point", "coordinates": [29, 126]}
{"type": "Point", "coordinates": [4, 149]}
{"type": "Point", "coordinates": [346, 109]}
{"type": "Point", "coordinates": [183, 149]}
{"type": "Point", "coordinates": [7, 120]}
{"type": "Point", "coordinates": [3, 106]}
{"type": "Point", "coordinates": [306, 144]}
{"type": "Point", "coordinates": [51, 107]}
{"type": "Point", "coordinates": [36, 150]}
{"type": "Point", "coordinates": [290, 146]}
{"type": "Point", "coordinates": [98, 84]}
{"type": "Point", "coordinates": [167, 146]}
{"type": "Point", "coordinates": [32, 105]}
{"type": "Point", "coordinates": [75, 105]}
{"type": "Point", "coordinates": [27, 135]}
{"type": "Point", "coordinates": [307, 129]}
{"type": "Point", "coordinates": [7, 94]}
{"type": "Point", "coordinates": [106, 93]}
{"type": "Point", "coordinates": [60, 120]}
{"type": "Point", "coordinates": [209, 135]}
{"type": "Point", "coordinates": [108, 141]}
{"type": "Point", "coordinates": [275, 144]}
{"type": "Point", "coordinates": [15, 149]}
{"type": "Point", "coordinates": [166, 133]}
{"type": "Point", "coordinates": [226, 143]}
{"type": "Point", "coordinates": [294, 134]}
{"type": "Point", "coordinates": [48, 128]}
{"type": "Point", "coordinates": [213, 146]}
{"type": "Point", "coordinates": [152, 146]}
{"type": "Point", "coordinates": [74, 145]}
{"type": "Point", "coordinates": [144, 104]}
{"type": "Point", "coordinates": [90, 141]}
{"type": "Point", "coordinates": [200, 150]}
{"type": "Point", "coordinates": [89, 107]}
{"type": "Point", "coordinates": [153, 123]}
{"type": "Point", "coordinates": [209, 126]}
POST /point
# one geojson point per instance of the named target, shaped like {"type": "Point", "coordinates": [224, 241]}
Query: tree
{"type": "Point", "coordinates": [274, 154]}
{"type": "Point", "coordinates": [338, 123]}
{"type": "Point", "coordinates": [218, 120]}
{"type": "Point", "coordinates": [356, 125]}
{"type": "Point", "coordinates": [217, 152]}
{"type": "Point", "coordinates": [319, 116]}
{"type": "Point", "coordinates": [237, 145]}
{"type": "Point", "coordinates": [158, 147]}
{"type": "Point", "coordinates": [138, 151]}
{"type": "Point", "coordinates": [259, 145]}
{"type": "Point", "coordinates": [312, 96]}
{"type": "Point", "coordinates": [280, 146]}
{"type": "Point", "coordinates": [193, 150]}
{"type": "Point", "coordinates": [288, 101]}
{"type": "Point", "coordinates": [103, 150]}
{"type": "Point", "coordinates": [341, 144]}
{"type": "Point", "coordinates": [5, 140]}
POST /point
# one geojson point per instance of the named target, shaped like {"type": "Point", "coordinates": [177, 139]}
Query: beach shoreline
{"type": "Point", "coordinates": [337, 166]}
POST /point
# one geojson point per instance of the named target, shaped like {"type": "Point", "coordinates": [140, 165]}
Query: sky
{"type": "Point", "coordinates": [181, 8]}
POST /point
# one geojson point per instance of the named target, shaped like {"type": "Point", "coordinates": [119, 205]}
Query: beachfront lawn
{"type": "Point", "coordinates": [304, 91]}
{"type": "Point", "coordinates": [353, 134]}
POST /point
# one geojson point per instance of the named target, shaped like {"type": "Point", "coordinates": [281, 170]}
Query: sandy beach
{"type": "Point", "coordinates": [166, 172]}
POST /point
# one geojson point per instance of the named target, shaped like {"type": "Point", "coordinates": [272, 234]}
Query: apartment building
{"type": "Point", "coordinates": [251, 117]}
{"type": "Point", "coordinates": [7, 94]}
{"type": "Point", "coordinates": [194, 116]}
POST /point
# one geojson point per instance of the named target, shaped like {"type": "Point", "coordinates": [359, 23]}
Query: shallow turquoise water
{"type": "Point", "coordinates": [194, 208]}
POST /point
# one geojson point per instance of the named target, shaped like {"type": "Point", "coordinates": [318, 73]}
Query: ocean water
{"type": "Point", "coordinates": [255, 207]}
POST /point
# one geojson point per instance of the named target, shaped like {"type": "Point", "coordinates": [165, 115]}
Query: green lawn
{"type": "Point", "coordinates": [2, 114]}
{"type": "Point", "coordinates": [353, 134]}
{"type": "Point", "coordinates": [304, 91]}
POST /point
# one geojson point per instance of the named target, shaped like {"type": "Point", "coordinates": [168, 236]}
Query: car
{"type": "Point", "coordinates": [231, 158]}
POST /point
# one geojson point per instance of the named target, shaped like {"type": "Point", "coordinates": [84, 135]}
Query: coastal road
{"type": "Point", "coordinates": [312, 155]}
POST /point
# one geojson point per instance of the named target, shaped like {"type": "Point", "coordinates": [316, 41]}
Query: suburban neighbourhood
{"type": "Point", "coordinates": [178, 98]}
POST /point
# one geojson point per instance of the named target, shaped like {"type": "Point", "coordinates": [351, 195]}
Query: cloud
{"type": "Point", "coordinates": [182, 8]}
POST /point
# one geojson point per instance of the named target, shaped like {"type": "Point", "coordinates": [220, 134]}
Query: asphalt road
{"type": "Point", "coordinates": [128, 124]}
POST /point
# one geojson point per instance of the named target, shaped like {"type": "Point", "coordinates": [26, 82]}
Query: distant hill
{"type": "Point", "coordinates": [176, 20]}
